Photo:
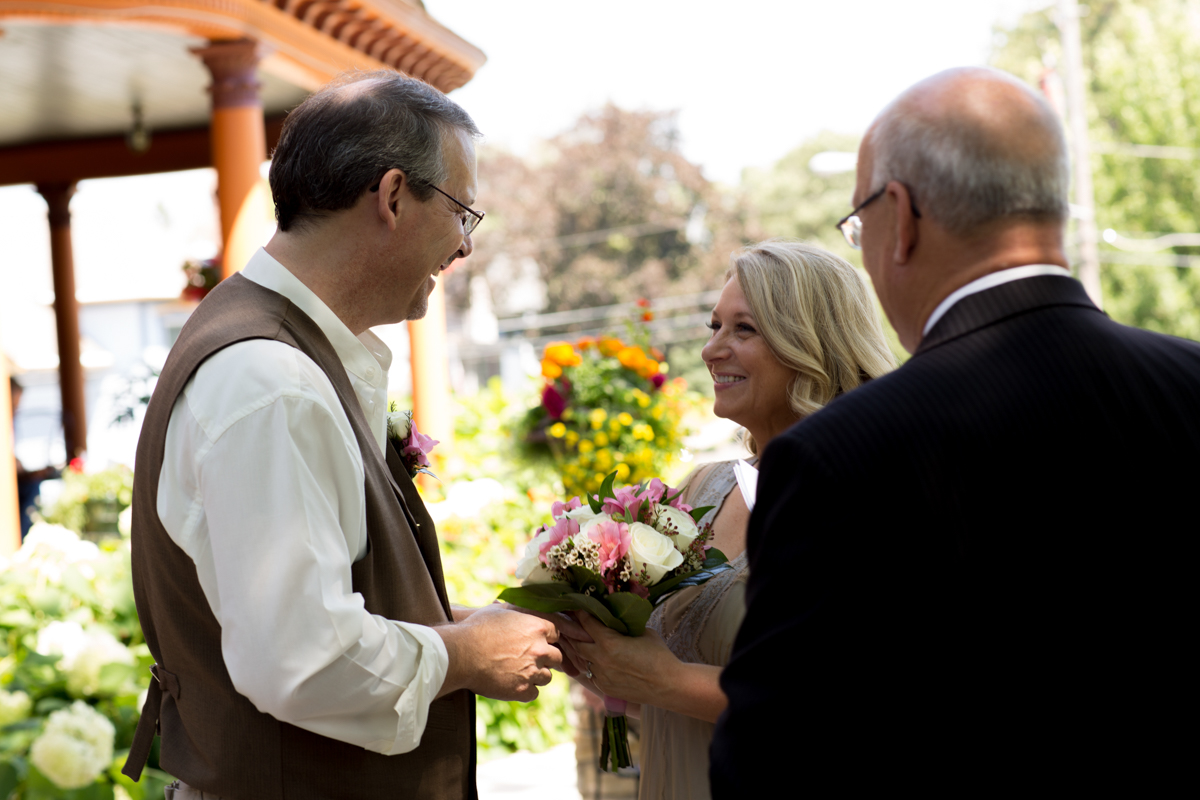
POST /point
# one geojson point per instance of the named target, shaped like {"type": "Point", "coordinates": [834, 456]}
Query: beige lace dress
{"type": "Point", "coordinates": [699, 625]}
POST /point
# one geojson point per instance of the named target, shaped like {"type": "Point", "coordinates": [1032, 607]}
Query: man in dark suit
{"type": "Point", "coordinates": [965, 574]}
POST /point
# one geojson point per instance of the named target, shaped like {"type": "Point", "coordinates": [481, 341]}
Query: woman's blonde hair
{"type": "Point", "coordinates": [816, 315]}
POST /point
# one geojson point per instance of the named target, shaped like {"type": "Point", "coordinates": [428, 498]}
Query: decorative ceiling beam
{"type": "Point", "coordinates": [110, 156]}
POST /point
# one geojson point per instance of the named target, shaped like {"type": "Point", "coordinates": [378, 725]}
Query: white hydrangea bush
{"type": "Point", "coordinates": [75, 747]}
{"type": "Point", "coordinates": [74, 668]}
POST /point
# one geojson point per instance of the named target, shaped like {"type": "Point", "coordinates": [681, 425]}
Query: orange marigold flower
{"type": "Point", "coordinates": [550, 369]}
{"type": "Point", "coordinates": [610, 345]}
{"type": "Point", "coordinates": [649, 369]}
{"type": "Point", "coordinates": [562, 353]}
{"type": "Point", "coordinates": [647, 316]}
{"type": "Point", "coordinates": [632, 358]}
{"type": "Point", "coordinates": [585, 342]}
{"type": "Point", "coordinates": [644, 303]}
{"type": "Point", "coordinates": [659, 354]}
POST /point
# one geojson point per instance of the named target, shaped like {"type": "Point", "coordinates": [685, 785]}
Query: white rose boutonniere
{"type": "Point", "coordinates": [412, 445]}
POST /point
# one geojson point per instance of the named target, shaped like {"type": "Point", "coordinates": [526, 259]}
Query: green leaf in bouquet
{"type": "Point", "coordinates": [595, 503]}
{"type": "Point", "coordinates": [632, 610]}
{"type": "Point", "coordinates": [39, 787]}
{"type": "Point", "coordinates": [550, 598]}
{"type": "Point", "coordinates": [606, 488]}
{"type": "Point", "coordinates": [698, 513]}
{"type": "Point", "coordinates": [587, 582]}
{"type": "Point", "coordinates": [713, 557]}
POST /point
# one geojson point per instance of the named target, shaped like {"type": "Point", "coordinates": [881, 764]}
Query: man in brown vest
{"type": "Point", "coordinates": [286, 572]}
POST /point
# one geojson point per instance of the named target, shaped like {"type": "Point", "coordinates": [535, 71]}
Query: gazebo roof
{"type": "Point", "coordinates": [75, 69]}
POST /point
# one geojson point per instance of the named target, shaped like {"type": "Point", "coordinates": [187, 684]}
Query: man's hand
{"type": "Point", "coordinates": [499, 653]}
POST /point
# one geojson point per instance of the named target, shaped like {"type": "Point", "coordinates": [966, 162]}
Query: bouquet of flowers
{"type": "Point", "coordinates": [616, 557]}
{"type": "Point", "coordinates": [606, 405]}
{"type": "Point", "coordinates": [412, 445]}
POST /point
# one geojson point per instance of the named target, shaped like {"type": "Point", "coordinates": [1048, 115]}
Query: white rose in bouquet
{"type": "Point", "coordinates": [649, 550]}
{"type": "Point", "coordinates": [14, 707]}
{"type": "Point", "coordinates": [99, 649]}
{"type": "Point", "coordinates": [676, 524]}
{"type": "Point", "coordinates": [75, 747]}
{"type": "Point", "coordinates": [530, 569]}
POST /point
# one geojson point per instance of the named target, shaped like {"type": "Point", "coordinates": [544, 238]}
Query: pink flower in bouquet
{"type": "Point", "coordinates": [563, 529]}
{"type": "Point", "coordinates": [560, 508]}
{"type": "Point", "coordinates": [629, 497]}
{"type": "Point", "coordinates": [613, 539]}
{"type": "Point", "coordinates": [554, 402]}
{"type": "Point", "coordinates": [419, 446]}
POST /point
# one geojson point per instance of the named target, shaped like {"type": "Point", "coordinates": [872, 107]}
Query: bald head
{"type": "Point", "coordinates": [975, 146]}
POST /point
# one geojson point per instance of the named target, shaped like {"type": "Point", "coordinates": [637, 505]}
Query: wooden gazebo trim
{"type": "Point", "coordinates": [311, 41]}
{"type": "Point", "coordinates": [110, 156]}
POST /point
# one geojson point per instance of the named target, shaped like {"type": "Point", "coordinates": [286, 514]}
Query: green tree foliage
{"type": "Point", "coordinates": [794, 202]}
{"type": "Point", "coordinates": [1142, 60]}
{"type": "Point", "coordinates": [604, 209]}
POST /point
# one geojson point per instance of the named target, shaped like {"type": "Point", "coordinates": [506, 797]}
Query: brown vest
{"type": "Point", "coordinates": [212, 737]}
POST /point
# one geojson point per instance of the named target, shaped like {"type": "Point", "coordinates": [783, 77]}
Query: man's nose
{"type": "Point", "coordinates": [467, 247]}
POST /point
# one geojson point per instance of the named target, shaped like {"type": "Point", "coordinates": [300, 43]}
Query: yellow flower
{"type": "Point", "coordinates": [558, 430]}
{"type": "Point", "coordinates": [601, 439]}
{"type": "Point", "coordinates": [597, 417]}
{"type": "Point", "coordinates": [625, 419]}
{"type": "Point", "coordinates": [586, 446]}
{"type": "Point", "coordinates": [572, 438]}
{"type": "Point", "coordinates": [657, 412]}
{"type": "Point", "coordinates": [622, 471]}
{"type": "Point", "coordinates": [562, 353]}
{"type": "Point", "coordinates": [604, 460]}
{"type": "Point", "coordinates": [550, 369]}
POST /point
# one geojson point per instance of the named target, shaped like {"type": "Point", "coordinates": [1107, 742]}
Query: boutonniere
{"type": "Point", "coordinates": [412, 445]}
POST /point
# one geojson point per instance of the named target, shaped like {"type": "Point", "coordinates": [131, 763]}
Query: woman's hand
{"type": "Point", "coordinates": [642, 669]}
{"type": "Point", "coordinates": [633, 668]}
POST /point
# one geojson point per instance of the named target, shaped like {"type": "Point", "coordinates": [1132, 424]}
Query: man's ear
{"type": "Point", "coordinates": [393, 190]}
{"type": "Point", "coordinates": [906, 221]}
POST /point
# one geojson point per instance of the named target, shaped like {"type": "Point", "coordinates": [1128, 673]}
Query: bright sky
{"type": "Point", "coordinates": [751, 79]}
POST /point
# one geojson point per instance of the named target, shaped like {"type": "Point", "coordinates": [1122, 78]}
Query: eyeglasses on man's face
{"type": "Point", "coordinates": [470, 217]}
{"type": "Point", "coordinates": [851, 224]}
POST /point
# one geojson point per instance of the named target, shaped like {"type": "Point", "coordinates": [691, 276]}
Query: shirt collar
{"type": "Point", "coordinates": [365, 356]}
{"type": "Point", "coordinates": [989, 281]}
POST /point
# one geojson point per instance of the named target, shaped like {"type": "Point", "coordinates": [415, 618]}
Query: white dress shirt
{"type": "Point", "coordinates": [989, 281]}
{"type": "Point", "coordinates": [262, 486]}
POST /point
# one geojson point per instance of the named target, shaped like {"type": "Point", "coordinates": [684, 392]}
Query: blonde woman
{"type": "Point", "coordinates": [794, 328]}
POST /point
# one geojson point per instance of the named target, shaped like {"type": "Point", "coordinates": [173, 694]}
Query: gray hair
{"type": "Point", "coordinates": [966, 170]}
{"type": "Point", "coordinates": [343, 138]}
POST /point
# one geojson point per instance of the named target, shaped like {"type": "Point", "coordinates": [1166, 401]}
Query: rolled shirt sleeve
{"type": "Point", "coordinates": [262, 485]}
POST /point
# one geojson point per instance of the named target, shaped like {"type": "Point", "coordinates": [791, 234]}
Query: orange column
{"type": "Point", "coordinates": [66, 316]}
{"type": "Point", "coordinates": [431, 373]}
{"type": "Point", "coordinates": [239, 146]}
{"type": "Point", "coordinates": [10, 521]}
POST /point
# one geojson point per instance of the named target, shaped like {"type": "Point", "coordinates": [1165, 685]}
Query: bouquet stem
{"type": "Point", "coordinates": [614, 739]}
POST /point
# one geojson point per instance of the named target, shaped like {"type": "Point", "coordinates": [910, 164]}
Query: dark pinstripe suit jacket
{"type": "Point", "coordinates": [976, 569]}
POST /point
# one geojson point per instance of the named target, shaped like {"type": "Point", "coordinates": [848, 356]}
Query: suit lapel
{"type": "Point", "coordinates": [990, 306]}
